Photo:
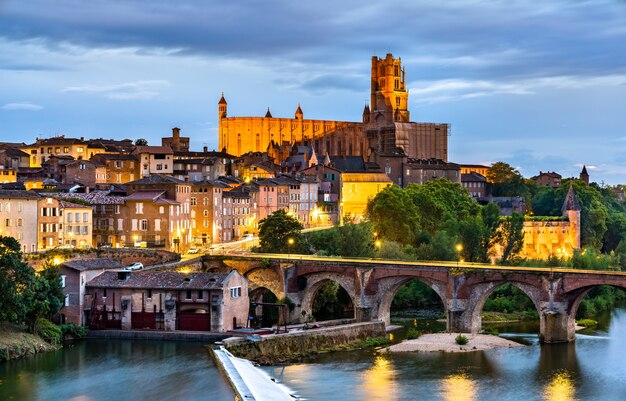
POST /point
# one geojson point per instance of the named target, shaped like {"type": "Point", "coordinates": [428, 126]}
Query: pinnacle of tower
{"type": "Point", "coordinates": [366, 110]}
{"type": "Point", "coordinates": [570, 203]}
{"type": "Point", "coordinates": [584, 171]}
{"type": "Point", "coordinates": [326, 161]}
{"type": "Point", "coordinates": [222, 100]}
{"type": "Point", "coordinates": [299, 111]}
{"type": "Point", "coordinates": [268, 114]}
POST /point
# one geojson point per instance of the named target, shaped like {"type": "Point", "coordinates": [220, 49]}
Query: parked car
{"type": "Point", "coordinates": [193, 250]}
{"type": "Point", "coordinates": [135, 266]}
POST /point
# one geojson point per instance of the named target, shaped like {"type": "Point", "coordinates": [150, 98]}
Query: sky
{"type": "Point", "coordinates": [539, 85]}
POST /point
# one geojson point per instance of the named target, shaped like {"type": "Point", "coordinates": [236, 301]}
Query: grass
{"type": "Point", "coordinates": [461, 339]}
{"type": "Point", "coordinates": [587, 323]}
{"type": "Point", "coordinates": [15, 342]}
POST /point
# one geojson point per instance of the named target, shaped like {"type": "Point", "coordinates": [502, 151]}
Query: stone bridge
{"type": "Point", "coordinates": [463, 288]}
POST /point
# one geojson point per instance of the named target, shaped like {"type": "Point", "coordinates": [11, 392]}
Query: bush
{"type": "Point", "coordinates": [72, 330]}
{"type": "Point", "coordinates": [461, 339]}
{"type": "Point", "coordinates": [586, 322]}
{"type": "Point", "coordinates": [49, 331]}
{"type": "Point", "coordinates": [412, 334]}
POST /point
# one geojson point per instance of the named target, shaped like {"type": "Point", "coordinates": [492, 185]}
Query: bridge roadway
{"type": "Point", "coordinates": [463, 287]}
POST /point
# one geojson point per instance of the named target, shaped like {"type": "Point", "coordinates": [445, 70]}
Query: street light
{"type": "Point", "coordinates": [459, 248]}
{"type": "Point", "coordinates": [290, 242]}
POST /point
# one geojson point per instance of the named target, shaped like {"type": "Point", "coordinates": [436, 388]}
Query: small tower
{"type": "Point", "coordinates": [268, 114]}
{"type": "Point", "coordinates": [299, 113]}
{"type": "Point", "coordinates": [221, 107]}
{"type": "Point", "coordinates": [571, 210]}
{"type": "Point", "coordinates": [366, 114]}
{"type": "Point", "coordinates": [584, 176]}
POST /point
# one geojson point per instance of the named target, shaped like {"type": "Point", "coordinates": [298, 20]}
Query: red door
{"type": "Point", "coordinates": [194, 321]}
{"type": "Point", "coordinates": [143, 320]}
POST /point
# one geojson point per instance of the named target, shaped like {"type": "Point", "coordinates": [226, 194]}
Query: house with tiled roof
{"type": "Point", "coordinates": [119, 168]}
{"type": "Point", "coordinates": [475, 184]}
{"type": "Point", "coordinates": [154, 160]}
{"type": "Point", "coordinates": [75, 274]}
{"type": "Point", "coordinates": [168, 301]}
{"type": "Point", "coordinates": [548, 179]}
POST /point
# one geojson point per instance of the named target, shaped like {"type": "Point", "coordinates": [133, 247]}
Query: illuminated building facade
{"type": "Point", "coordinates": [385, 127]}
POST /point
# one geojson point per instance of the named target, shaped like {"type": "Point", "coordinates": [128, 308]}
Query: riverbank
{"type": "Point", "coordinates": [445, 342]}
{"type": "Point", "coordinates": [16, 343]}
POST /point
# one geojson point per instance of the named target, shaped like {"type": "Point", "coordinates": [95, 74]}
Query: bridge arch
{"type": "Point", "coordinates": [314, 283]}
{"type": "Point", "coordinates": [266, 278]}
{"type": "Point", "coordinates": [388, 288]}
{"type": "Point", "coordinates": [577, 296]}
{"type": "Point", "coordinates": [481, 292]}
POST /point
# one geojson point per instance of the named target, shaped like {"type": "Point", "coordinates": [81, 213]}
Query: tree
{"type": "Point", "coordinates": [355, 240]}
{"type": "Point", "coordinates": [281, 233]}
{"type": "Point", "coordinates": [501, 172]}
{"type": "Point", "coordinates": [47, 296]}
{"type": "Point", "coordinates": [511, 236]}
{"type": "Point", "coordinates": [393, 215]}
{"type": "Point", "coordinates": [16, 282]}
{"type": "Point", "coordinates": [141, 142]}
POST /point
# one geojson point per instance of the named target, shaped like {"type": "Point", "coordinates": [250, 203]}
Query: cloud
{"type": "Point", "coordinates": [28, 106]}
{"type": "Point", "coordinates": [458, 89]}
{"type": "Point", "coordinates": [124, 91]}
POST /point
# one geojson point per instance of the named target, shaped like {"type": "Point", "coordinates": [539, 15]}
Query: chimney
{"type": "Point", "coordinates": [206, 149]}
{"type": "Point", "coordinates": [176, 132]}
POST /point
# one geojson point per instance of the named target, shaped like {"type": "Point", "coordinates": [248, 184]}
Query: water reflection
{"type": "Point", "coordinates": [379, 380]}
{"type": "Point", "coordinates": [458, 387]}
{"type": "Point", "coordinates": [560, 388]}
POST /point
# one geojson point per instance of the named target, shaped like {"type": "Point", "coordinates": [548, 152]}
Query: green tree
{"type": "Point", "coordinates": [16, 282]}
{"type": "Point", "coordinates": [355, 239]}
{"type": "Point", "coordinates": [439, 201]}
{"type": "Point", "coordinates": [141, 142]}
{"type": "Point", "coordinates": [47, 296]}
{"type": "Point", "coordinates": [276, 231]}
{"type": "Point", "coordinates": [393, 215]}
{"type": "Point", "coordinates": [511, 236]}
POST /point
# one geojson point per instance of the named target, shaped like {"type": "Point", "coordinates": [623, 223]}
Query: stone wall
{"type": "Point", "coordinates": [125, 256]}
{"type": "Point", "coordinates": [280, 347]}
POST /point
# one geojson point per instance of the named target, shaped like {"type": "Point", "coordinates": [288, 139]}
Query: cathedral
{"type": "Point", "coordinates": [385, 128]}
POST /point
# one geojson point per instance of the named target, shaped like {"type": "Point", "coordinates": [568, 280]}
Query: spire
{"type": "Point", "coordinates": [299, 113]}
{"type": "Point", "coordinates": [570, 202]}
{"type": "Point", "coordinates": [312, 158]}
{"type": "Point", "coordinates": [222, 100]}
{"type": "Point", "coordinates": [326, 161]}
{"type": "Point", "coordinates": [366, 110]}
{"type": "Point", "coordinates": [584, 175]}
{"type": "Point", "coordinates": [268, 114]}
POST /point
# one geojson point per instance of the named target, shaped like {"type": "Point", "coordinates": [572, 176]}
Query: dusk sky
{"type": "Point", "coordinates": [538, 84]}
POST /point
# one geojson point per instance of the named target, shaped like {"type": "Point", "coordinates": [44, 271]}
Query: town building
{"type": "Point", "coordinates": [154, 160]}
{"type": "Point", "coordinates": [357, 189]}
{"type": "Point", "coordinates": [584, 176]}
{"type": "Point", "coordinates": [168, 301]}
{"type": "Point", "coordinates": [206, 212]}
{"type": "Point", "coordinates": [548, 179]}
{"type": "Point", "coordinates": [75, 274]}
{"type": "Point", "coordinates": [18, 217]}
{"type": "Point", "coordinates": [559, 237]}
{"type": "Point", "coordinates": [119, 168]}
{"type": "Point", "coordinates": [77, 223]}
{"type": "Point", "coordinates": [67, 170]}
{"type": "Point", "coordinates": [176, 142]}
{"type": "Point", "coordinates": [157, 212]}
{"type": "Point", "coordinates": [475, 168]}
{"type": "Point", "coordinates": [385, 125]}
{"type": "Point", "coordinates": [420, 171]}
{"type": "Point", "coordinates": [475, 184]}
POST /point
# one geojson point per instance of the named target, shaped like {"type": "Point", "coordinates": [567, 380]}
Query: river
{"type": "Point", "coordinates": [593, 368]}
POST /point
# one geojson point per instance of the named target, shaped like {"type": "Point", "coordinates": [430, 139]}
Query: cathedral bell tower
{"type": "Point", "coordinates": [221, 113]}
{"type": "Point", "coordinates": [389, 97]}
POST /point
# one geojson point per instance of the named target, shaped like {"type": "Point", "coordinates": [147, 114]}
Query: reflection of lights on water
{"type": "Point", "coordinates": [560, 388]}
{"type": "Point", "coordinates": [458, 387]}
{"type": "Point", "coordinates": [379, 381]}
